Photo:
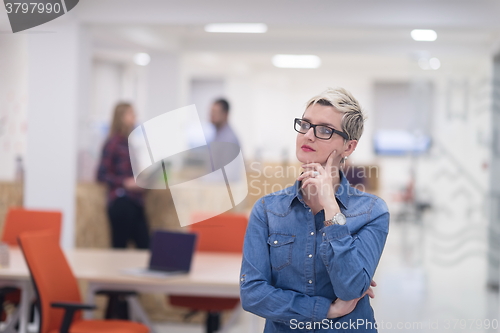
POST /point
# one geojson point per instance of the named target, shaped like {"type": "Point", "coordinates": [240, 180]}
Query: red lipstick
{"type": "Point", "coordinates": [307, 148]}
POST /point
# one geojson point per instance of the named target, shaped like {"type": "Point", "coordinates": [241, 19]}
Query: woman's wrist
{"type": "Point", "coordinates": [331, 210]}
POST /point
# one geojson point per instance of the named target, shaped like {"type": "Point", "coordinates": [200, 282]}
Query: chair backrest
{"type": "Point", "coordinates": [19, 220]}
{"type": "Point", "coordinates": [221, 233]}
{"type": "Point", "coordinates": [54, 281]}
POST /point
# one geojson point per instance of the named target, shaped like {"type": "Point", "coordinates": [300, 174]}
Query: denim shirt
{"type": "Point", "coordinates": [294, 267]}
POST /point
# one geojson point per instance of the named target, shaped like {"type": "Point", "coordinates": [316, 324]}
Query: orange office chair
{"type": "Point", "coordinates": [57, 290]}
{"type": "Point", "coordinates": [19, 220]}
{"type": "Point", "coordinates": [222, 233]}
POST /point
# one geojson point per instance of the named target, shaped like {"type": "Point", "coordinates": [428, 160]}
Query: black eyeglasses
{"type": "Point", "coordinates": [320, 131]}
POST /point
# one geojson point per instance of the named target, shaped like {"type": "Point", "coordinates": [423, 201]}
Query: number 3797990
{"type": "Point", "coordinates": [32, 7]}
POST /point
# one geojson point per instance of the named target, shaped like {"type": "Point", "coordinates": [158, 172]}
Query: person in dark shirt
{"type": "Point", "coordinates": [125, 199]}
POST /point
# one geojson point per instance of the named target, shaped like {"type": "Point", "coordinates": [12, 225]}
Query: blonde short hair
{"type": "Point", "coordinates": [353, 117]}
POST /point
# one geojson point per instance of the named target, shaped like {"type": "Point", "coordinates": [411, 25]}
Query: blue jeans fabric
{"type": "Point", "coordinates": [293, 267]}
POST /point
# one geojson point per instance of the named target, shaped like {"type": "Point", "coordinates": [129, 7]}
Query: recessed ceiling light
{"type": "Point", "coordinates": [423, 35]}
{"type": "Point", "coordinates": [142, 59]}
{"type": "Point", "coordinates": [242, 28]}
{"type": "Point", "coordinates": [296, 61]}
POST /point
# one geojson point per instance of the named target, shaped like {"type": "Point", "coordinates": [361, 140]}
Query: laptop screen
{"type": "Point", "coordinates": [171, 251]}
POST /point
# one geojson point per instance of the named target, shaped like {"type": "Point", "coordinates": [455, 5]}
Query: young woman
{"type": "Point", "coordinates": [311, 249]}
{"type": "Point", "coordinates": [125, 198]}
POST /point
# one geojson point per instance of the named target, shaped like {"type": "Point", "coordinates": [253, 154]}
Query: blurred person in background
{"type": "Point", "coordinates": [311, 249]}
{"type": "Point", "coordinates": [219, 117]}
{"type": "Point", "coordinates": [125, 198]}
{"type": "Point", "coordinates": [222, 154]}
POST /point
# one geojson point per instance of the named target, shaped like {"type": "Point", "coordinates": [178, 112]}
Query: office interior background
{"type": "Point", "coordinates": [432, 130]}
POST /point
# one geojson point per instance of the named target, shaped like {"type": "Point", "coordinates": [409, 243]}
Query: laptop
{"type": "Point", "coordinates": [171, 254]}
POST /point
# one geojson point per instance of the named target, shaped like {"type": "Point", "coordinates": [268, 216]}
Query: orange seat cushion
{"type": "Point", "coordinates": [106, 326]}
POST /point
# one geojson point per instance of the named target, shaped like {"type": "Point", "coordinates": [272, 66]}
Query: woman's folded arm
{"type": "Point", "coordinates": [351, 260]}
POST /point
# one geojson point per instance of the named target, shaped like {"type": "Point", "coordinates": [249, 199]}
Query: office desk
{"type": "Point", "coordinates": [214, 274]}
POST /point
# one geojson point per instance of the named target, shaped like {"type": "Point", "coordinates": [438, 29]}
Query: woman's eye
{"type": "Point", "coordinates": [325, 130]}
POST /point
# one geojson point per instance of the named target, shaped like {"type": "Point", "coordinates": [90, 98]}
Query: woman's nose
{"type": "Point", "coordinates": [310, 134]}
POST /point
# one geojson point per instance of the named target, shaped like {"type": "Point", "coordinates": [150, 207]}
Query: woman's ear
{"type": "Point", "coordinates": [349, 147]}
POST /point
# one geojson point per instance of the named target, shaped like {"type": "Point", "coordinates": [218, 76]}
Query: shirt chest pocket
{"type": "Point", "coordinates": [280, 248]}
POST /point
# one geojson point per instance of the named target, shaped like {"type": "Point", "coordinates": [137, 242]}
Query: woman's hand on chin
{"type": "Point", "coordinates": [318, 181]}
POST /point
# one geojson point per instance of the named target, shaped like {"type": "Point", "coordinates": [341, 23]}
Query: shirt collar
{"type": "Point", "coordinates": [342, 193]}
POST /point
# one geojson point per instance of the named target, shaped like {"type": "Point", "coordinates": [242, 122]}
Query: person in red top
{"type": "Point", "coordinates": [125, 199]}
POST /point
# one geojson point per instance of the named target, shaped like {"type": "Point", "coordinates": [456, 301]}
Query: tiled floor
{"type": "Point", "coordinates": [419, 289]}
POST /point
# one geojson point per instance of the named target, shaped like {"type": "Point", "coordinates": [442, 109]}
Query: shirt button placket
{"type": "Point", "coordinates": [311, 243]}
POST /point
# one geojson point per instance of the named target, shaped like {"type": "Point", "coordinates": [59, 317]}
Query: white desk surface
{"type": "Point", "coordinates": [212, 274]}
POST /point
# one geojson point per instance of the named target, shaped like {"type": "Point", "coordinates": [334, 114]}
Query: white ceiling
{"type": "Point", "coordinates": [295, 26]}
{"type": "Point", "coordinates": [292, 39]}
{"type": "Point", "coordinates": [298, 13]}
